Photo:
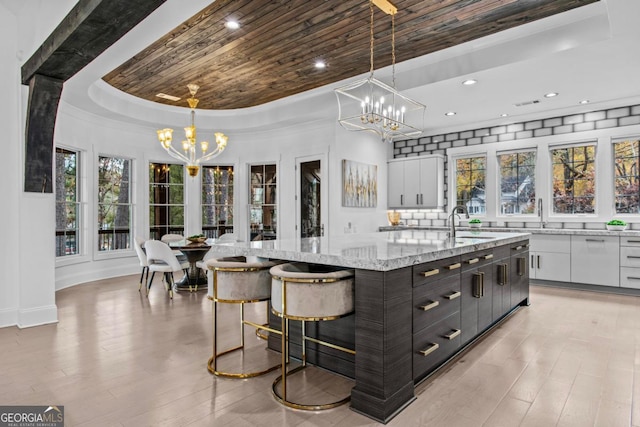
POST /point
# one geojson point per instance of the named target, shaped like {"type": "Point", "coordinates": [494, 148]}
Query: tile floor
{"type": "Point", "coordinates": [118, 358]}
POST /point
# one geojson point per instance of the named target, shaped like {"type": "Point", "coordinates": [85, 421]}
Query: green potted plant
{"type": "Point", "coordinates": [475, 223]}
{"type": "Point", "coordinates": [616, 225]}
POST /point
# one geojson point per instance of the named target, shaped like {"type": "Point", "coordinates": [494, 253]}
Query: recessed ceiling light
{"type": "Point", "coordinates": [504, 115]}
{"type": "Point", "coordinates": [232, 25]}
{"type": "Point", "coordinates": [320, 65]}
{"type": "Point", "coordinates": [169, 97]}
{"type": "Point", "coordinates": [551, 94]}
{"type": "Point", "coordinates": [450, 113]}
{"type": "Point", "coordinates": [584, 101]}
{"type": "Point", "coordinates": [469, 82]}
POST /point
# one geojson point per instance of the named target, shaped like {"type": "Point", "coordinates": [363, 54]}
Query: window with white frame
{"type": "Point", "coordinates": [166, 199]}
{"type": "Point", "coordinates": [263, 209]}
{"type": "Point", "coordinates": [114, 203]}
{"type": "Point", "coordinates": [517, 174]}
{"type": "Point", "coordinates": [470, 184]}
{"type": "Point", "coordinates": [67, 203]}
{"type": "Point", "coordinates": [626, 157]}
{"type": "Point", "coordinates": [217, 200]}
{"type": "Point", "coordinates": [573, 178]}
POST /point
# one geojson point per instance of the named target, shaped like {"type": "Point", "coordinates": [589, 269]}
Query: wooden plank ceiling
{"type": "Point", "coordinates": [272, 54]}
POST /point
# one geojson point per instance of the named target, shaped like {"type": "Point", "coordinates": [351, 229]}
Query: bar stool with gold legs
{"type": "Point", "coordinates": [236, 281]}
{"type": "Point", "coordinates": [300, 294]}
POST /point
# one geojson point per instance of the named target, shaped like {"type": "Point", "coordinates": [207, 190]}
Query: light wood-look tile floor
{"type": "Point", "coordinates": [118, 358]}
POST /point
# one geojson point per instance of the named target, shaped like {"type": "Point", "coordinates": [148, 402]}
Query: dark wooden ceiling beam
{"type": "Point", "coordinates": [87, 31]}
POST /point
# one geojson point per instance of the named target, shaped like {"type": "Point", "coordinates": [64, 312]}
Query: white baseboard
{"type": "Point", "coordinates": [8, 317]}
{"type": "Point", "coordinates": [37, 316]}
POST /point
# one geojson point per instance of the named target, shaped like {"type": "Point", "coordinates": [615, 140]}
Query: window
{"type": "Point", "coordinates": [574, 179]}
{"type": "Point", "coordinates": [67, 203]}
{"type": "Point", "coordinates": [470, 184]}
{"type": "Point", "coordinates": [114, 203]}
{"type": "Point", "coordinates": [166, 199]}
{"type": "Point", "coordinates": [517, 182]}
{"type": "Point", "coordinates": [217, 200]}
{"type": "Point", "coordinates": [626, 158]}
{"type": "Point", "coordinates": [262, 208]}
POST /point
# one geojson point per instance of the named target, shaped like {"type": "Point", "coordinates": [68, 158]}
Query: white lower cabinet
{"type": "Point", "coordinates": [550, 257]}
{"type": "Point", "coordinates": [595, 260]}
{"type": "Point", "coordinates": [630, 262]}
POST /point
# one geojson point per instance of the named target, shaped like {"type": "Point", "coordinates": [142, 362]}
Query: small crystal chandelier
{"type": "Point", "coordinates": [374, 106]}
{"type": "Point", "coordinates": [189, 145]}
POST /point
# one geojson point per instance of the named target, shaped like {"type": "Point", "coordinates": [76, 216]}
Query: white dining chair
{"type": "Point", "coordinates": [162, 259]}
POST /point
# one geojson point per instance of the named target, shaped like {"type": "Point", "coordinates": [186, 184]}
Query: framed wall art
{"type": "Point", "coordinates": [359, 184]}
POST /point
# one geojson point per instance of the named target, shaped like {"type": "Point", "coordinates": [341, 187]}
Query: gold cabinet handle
{"type": "Point", "coordinates": [521, 266]}
{"type": "Point", "coordinates": [488, 256]}
{"type": "Point", "coordinates": [431, 305]}
{"type": "Point", "coordinates": [478, 284]}
{"type": "Point", "coordinates": [434, 347]}
{"type": "Point", "coordinates": [453, 295]}
{"type": "Point", "coordinates": [431, 272]}
{"type": "Point", "coordinates": [453, 334]}
{"type": "Point", "coordinates": [503, 274]}
{"type": "Point", "coordinates": [473, 260]}
{"type": "Point", "coordinates": [453, 266]}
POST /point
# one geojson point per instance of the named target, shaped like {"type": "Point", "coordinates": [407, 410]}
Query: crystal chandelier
{"type": "Point", "coordinates": [189, 145]}
{"type": "Point", "coordinates": [371, 105]}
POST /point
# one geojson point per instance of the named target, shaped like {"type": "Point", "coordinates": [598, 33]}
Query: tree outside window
{"type": "Point", "coordinates": [217, 200]}
{"type": "Point", "coordinates": [470, 184]}
{"type": "Point", "coordinates": [626, 156]}
{"type": "Point", "coordinates": [517, 183]}
{"type": "Point", "coordinates": [114, 203]}
{"type": "Point", "coordinates": [166, 199]}
{"type": "Point", "coordinates": [67, 203]}
{"type": "Point", "coordinates": [574, 179]}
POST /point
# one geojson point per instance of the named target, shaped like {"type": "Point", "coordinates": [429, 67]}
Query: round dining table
{"type": "Point", "coordinates": [195, 279]}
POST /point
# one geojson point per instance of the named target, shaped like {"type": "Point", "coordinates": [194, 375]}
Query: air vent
{"type": "Point", "coordinates": [169, 97]}
{"type": "Point", "coordinates": [522, 104]}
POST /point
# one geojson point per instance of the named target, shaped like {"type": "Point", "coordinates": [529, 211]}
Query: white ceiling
{"type": "Point", "coordinates": [587, 53]}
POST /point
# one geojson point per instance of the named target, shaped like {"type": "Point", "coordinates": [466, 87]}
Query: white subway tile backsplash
{"type": "Point", "coordinates": [608, 123]}
{"type": "Point", "coordinates": [628, 121]}
{"type": "Point", "coordinates": [549, 123]}
{"type": "Point", "coordinates": [576, 118]}
{"type": "Point", "coordinates": [542, 132]}
{"type": "Point", "coordinates": [536, 124]}
{"type": "Point", "coordinates": [562, 129]}
{"type": "Point", "coordinates": [581, 127]}
{"type": "Point", "coordinates": [524, 134]}
{"type": "Point", "coordinates": [596, 115]}
{"type": "Point", "coordinates": [516, 127]}
{"type": "Point", "coordinates": [618, 112]}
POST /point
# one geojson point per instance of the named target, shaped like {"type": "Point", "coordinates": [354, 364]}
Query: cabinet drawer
{"type": "Point", "coordinates": [434, 302]}
{"type": "Point", "coordinates": [476, 259]}
{"type": "Point", "coordinates": [430, 272]}
{"type": "Point", "coordinates": [501, 252]}
{"type": "Point", "coordinates": [551, 243]}
{"type": "Point", "coordinates": [630, 241]}
{"type": "Point", "coordinates": [435, 344]}
{"type": "Point", "coordinates": [629, 256]}
{"type": "Point", "coordinates": [630, 277]}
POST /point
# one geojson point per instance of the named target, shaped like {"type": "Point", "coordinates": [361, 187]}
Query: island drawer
{"type": "Point", "coordinates": [500, 252]}
{"type": "Point", "coordinates": [429, 272]}
{"type": "Point", "coordinates": [434, 302]}
{"type": "Point", "coordinates": [435, 344]}
{"type": "Point", "coordinates": [476, 259]}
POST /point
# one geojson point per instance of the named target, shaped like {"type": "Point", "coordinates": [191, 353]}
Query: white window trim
{"type": "Point", "coordinates": [605, 202]}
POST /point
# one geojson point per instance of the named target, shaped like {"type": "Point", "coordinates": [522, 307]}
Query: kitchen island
{"type": "Point", "coordinates": [420, 298]}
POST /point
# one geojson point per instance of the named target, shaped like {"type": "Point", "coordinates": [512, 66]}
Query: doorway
{"type": "Point", "coordinates": [312, 190]}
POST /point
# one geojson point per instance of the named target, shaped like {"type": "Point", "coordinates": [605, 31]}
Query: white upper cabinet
{"type": "Point", "coordinates": [416, 183]}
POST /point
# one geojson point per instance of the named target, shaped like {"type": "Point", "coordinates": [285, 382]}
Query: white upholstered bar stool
{"type": "Point", "coordinates": [300, 293]}
{"type": "Point", "coordinates": [234, 280]}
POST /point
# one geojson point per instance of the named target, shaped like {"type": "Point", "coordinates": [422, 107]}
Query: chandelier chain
{"type": "Point", "coordinates": [371, 40]}
{"type": "Point", "coordinates": [393, 50]}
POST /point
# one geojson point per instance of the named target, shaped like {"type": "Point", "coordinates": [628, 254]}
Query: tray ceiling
{"type": "Point", "coordinates": [272, 54]}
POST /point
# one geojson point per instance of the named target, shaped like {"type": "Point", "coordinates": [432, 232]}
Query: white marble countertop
{"type": "Point", "coordinates": [380, 251]}
{"type": "Point", "coordinates": [532, 230]}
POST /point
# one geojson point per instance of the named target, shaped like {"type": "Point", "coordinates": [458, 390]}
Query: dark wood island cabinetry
{"type": "Point", "coordinates": [420, 298]}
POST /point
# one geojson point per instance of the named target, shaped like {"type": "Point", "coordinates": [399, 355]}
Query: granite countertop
{"type": "Point", "coordinates": [563, 231]}
{"type": "Point", "coordinates": [379, 251]}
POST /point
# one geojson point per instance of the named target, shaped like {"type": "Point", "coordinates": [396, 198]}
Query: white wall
{"type": "Point", "coordinates": [11, 171]}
